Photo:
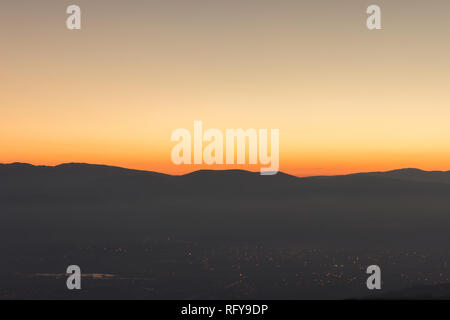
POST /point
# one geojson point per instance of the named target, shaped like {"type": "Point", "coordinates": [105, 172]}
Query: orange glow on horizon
{"type": "Point", "coordinates": [344, 98]}
{"type": "Point", "coordinates": [306, 169]}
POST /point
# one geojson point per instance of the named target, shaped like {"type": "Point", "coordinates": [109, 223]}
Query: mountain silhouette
{"type": "Point", "coordinates": [53, 216]}
{"type": "Point", "coordinates": [403, 206]}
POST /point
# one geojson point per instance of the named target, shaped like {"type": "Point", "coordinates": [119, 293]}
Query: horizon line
{"type": "Point", "coordinates": [216, 170]}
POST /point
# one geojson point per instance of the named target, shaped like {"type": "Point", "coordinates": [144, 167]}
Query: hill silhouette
{"type": "Point", "coordinates": [53, 216]}
{"type": "Point", "coordinates": [403, 206]}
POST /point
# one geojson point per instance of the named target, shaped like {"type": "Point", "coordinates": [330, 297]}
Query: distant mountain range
{"type": "Point", "coordinates": [143, 225]}
{"type": "Point", "coordinates": [378, 208]}
{"type": "Point", "coordinates": [17, 168]}
{"type": "Point", "coordinates": [406, 173]}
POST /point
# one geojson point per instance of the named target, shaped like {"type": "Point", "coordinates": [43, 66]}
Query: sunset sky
{"type": "Point", "coordinates": [344, 98]}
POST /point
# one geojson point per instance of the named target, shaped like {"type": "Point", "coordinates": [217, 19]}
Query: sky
{"type": "Point", "coordinates": [345, 99]}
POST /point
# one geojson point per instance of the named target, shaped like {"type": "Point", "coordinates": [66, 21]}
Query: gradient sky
{"type": "Point", "coordinates": [345, 99]}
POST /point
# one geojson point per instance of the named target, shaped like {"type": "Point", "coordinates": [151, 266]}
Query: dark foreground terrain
{"type": "Point", "coordinates": [221, 234]}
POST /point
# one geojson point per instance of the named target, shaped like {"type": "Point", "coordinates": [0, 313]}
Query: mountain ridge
{"type": "Point", "coordinates": [119, 204]}
{"type": "Point", "coordinates": [78, 165]}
